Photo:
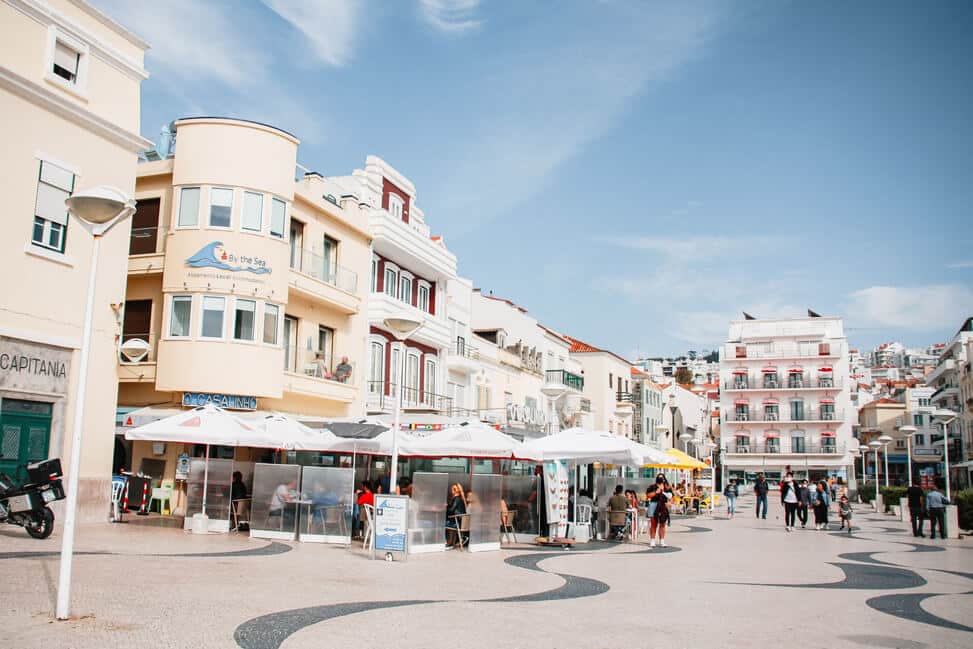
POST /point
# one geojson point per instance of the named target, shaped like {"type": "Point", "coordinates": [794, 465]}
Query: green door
{"type": "Point", "coordinates": [25, 435]}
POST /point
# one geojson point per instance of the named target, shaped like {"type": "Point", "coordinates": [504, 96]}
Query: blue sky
{"type": "Point", "coordinates": [635, 174]}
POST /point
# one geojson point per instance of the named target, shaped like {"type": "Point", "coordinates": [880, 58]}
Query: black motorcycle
{"type": "Point", "coordinates": [27, 505]}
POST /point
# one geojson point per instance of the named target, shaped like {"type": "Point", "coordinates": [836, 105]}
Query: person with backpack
{"type": "Point", "coordinates": [790, 499]}
{"type": "Point", "coordinates": [730, 492]}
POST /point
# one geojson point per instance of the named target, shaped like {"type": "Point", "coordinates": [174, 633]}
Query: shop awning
{"type": "Point", "coordinates": [740, 372]}
{"type": "Point", "coordinates": [741, 402]}
{"type": "Point", "coordinates": [827, 433]}
{"type": "Point", "coordinates": [769, 370]}
{"type": "Point", "coordinates": [684, 461]}
{"type": "Point", "coordinates": [771, 402]}
{"type": "Point", "coordinates": [827, 402]}
{"type": "Point", "coordinates": [771, 434]}
{"type": "Point", "coordinates": [741, 433]}
{"type": "Point", "coordinates": [795, 370]}
{"type": "Point", "coordinates": [824, 369]}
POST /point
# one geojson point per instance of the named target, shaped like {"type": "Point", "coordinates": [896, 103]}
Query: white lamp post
{"type": "Point", "coordinates": [98, 209]}
{"type": "Point", "coordinates": [908, 432]}
{"type": "Point", "coordinates": [401, 328]}
{"type": "Point", "coordinates": [885, 439]}
{"type": "Point", "coordinates": [945, 417]}
{"type": "Point", "coordinates": [875, 444]}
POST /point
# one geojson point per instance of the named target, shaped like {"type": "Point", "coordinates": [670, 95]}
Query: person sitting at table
{"type": "Point", "coordinates": [343, 372]}
{"type": "Point", "coordinates": [617, 514]}
{"type": "Point", "coordinates": [364, 496]}
{"type": "Point", "coordinates": [405, 487]}
{"type": "Point", "coordinates": [281, 503]}
{"type": "Point", "coordinates": [455, 508]}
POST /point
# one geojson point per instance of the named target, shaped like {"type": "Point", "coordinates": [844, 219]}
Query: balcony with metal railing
{"type": "Point", "coordinates": [321, 278]}
{"type": "Point", "coordinates": [565, 378]}
{"type": "Point", "coordinates": [463, 357]}
{"type": "Point", "coordinates": [146, 250]}
{"type": "Point", "coordinates": [320, 374]}
{"type": "Point", "coordinates": [808, 415]}
{"type": "Point", "coordinates": [381, 398]}
{"type": "Point", "coordinates": [742, 383]}
{"type": "Point", "coordinates": [781, 350]}
{"type": "Point", "coordinates": [783, 447]}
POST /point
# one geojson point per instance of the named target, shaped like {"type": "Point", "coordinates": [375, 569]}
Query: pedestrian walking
{"type": "Point", "coordinates": [760, 489]}
{"type": "Point", "coordinates": [844, 512]}
{"type": "Point", "coordinates": [790, 500]}
{"type": "Point", "coordinates": [730, 493]}
{"type": "Point", "coordinates": [660, 517]}
{"type": "Point", "coordinates": [803, 503]}
{"type": "Point", "coordinates": [936, 508]}
{"type": "Point", "coordinates": [821, 506]}
{"type": "Point", "coordinates": [917, 499]}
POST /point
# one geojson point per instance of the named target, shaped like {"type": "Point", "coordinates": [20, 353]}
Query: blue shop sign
{"type": "Point", "coordinates": [228, 401]}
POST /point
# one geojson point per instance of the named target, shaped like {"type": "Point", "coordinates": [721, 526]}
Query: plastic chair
{"type": "Point", "coordinates": [462, 529]}
{"type": "Point", "coordinates": [117, 493]}
{"type": "Point", "coordinates": [368, 536]}
{"type": "Point", "coordinates": [163, 495]}
{"type": "Point", "coordinates": [584, 521]}
{"type": "Point", "coordinates": [507, 526]}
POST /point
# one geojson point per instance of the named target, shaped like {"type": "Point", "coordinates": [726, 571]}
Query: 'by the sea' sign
{"type": "Point", "coordinates": [228, 401]}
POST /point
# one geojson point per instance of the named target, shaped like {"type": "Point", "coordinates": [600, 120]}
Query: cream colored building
{"type": "Point", "coordinates": [69, 94]}
{"type": "Point", "coordinates": [608, 387]}
{"type": "Point", "coordinates": [247, 285]}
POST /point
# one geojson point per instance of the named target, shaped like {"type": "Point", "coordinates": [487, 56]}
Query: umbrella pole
{"type": "Point", "coordinates": [205, 479]}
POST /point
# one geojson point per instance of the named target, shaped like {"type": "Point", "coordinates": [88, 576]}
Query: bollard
{"type": "Point", "coordinates": [952, 522]}
{"type": "Point", "coordinates": [904, 507]}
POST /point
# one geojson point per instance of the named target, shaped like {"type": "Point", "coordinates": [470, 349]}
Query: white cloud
{"type": "Point", "coordinates": [696, 247]}
{"type": "Point", "coordinates": [329, 25]}
{"type": "Point", "coordinates": [961, 264]}
{"type": "Point", "coordinates": [196, 40]}
{"type": "Point", "coordinates": [920, 308]}
{"type": "Point", "coordinates": [450, 16]}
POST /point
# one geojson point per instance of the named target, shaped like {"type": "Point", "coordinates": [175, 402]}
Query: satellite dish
{"type": "Point", "coordinates": [135, 349]}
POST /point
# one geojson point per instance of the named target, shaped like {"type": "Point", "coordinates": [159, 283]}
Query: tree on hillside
{"type": "Point", "coordinates": [683, 376]}
{"type": "Point", "coordinates": [712, 357]}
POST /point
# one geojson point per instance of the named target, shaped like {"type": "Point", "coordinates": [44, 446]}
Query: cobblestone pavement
{"type": "Point", "coordinates": [720, 583]}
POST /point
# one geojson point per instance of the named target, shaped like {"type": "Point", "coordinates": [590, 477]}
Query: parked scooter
{"type": "Point", "coordinates": [27, 505]}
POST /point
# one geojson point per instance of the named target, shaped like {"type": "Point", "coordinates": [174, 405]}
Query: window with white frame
{"type": "Point", "coordinates": [271, 320]}
{"type": "Point", "coordinates": [278, 218]}
{"type": "Point", "coordinates": [411, 377]}
{"type": "Point", "coordinates": [180, 315]}
{"type": "Point", "coordinates": [54, 185]}
{"type": "Point", "coordinates": [395, 205]}
{"type": "Point", "coordinates": [253, 211]}
{"type": "Point", "coordinates": [391, 280]}
{"type": "Point", "coordinates": [67, 63]}
{"type": "Point", "coordinates": [405, 287]}
{"type": "Point", "coordinates": [188, 207]}
{"type": "Point", "coordinates": [244, 319]}
{"type": "Point", "coordinates": [422, 297]}
{"type": "Point", "coordinates": [374, 284]}
{"type": "Point", "coordinates": [220, 207]}
{"type": "Point", "coordinates": [213, 308]}
{"type": "Point", "coordinates": [376, 366]}
{"type": "Point", "coordinates": [430, 378]}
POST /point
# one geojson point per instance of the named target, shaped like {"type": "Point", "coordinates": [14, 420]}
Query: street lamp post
{"type": "Point", "coordinates": [885, 439]}
{"type": "Point", "coordinates": [99, 210]}
{"type": "Point", "coordinates": [875, 444]}
{"type": "Point", "coordinates": [908, 432]}
{"type": "Point", "coordinates": [401, 328]}
{"type": "Point", "coordinates": [945, 418]}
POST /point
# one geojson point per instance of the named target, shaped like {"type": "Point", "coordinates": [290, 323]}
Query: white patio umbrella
{"type": "Point", "coordinates": [473, 439]}
{"type": "Point", "coordinates": [207, 425]}
{"type": "Point", "coordinates": [293, 435]}
{"type": "Point", "coordinates": [582, 447]}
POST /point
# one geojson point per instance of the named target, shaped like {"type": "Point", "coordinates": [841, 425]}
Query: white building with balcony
{"type": "Point", "coordinates": [608, 388]}
{"type": "Point", "coordinates": [410, 272]}
{"type": "Point", "coordinates": [947, 381]}
{"type": "Point", "coordinates": [518, 362]}
{"type": "Point", "coordinates": [684, 411]}
{"type": "Point", "coordinates": [785, 398]}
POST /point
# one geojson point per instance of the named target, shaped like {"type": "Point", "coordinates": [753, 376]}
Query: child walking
{"type": "Point", "coordinates": [844, 511]}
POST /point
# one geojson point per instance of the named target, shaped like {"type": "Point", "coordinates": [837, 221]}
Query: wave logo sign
{"type": "Point", "coordinates": [215, 255]}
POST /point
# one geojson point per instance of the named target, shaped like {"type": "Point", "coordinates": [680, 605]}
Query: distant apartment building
{"type": "Point", "coordinates": [649, 404]}
{"type": "Point", "coordinates": [70, 80]}
{"type": "Point", "coordinates": [245, 286]}
{"type": "Point", "coordinates": [947, 379]}
{"type": "Point", "coordinates": [885, 417]}
{"type": "Point", "coordinates": [925, 455]}
{"type": "Point", "coordinates": [685, 410]}
{"type": "Point", "coordinates": [785, 398]}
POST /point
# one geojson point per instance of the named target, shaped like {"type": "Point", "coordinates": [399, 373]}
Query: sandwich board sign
{"type": "Point", "coordinates": [391, 525]}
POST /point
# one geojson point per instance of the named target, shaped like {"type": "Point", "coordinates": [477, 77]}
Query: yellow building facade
{"type": "Point", "coordinates": [247, 279]}
{"type": "Point", "coordinates": [69, 93]}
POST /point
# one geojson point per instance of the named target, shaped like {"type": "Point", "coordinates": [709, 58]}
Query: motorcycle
{"type": "Point", "coordinates": [27, 505]}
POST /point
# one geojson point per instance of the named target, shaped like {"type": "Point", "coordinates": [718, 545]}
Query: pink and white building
{"type": "Point", "coordinates": [785, 398]}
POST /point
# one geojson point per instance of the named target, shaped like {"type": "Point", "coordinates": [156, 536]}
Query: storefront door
{"type": "Point", "coordinates": [25, 435]}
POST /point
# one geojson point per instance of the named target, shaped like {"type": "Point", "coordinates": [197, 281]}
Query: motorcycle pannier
{"type": "Point", "coordinates": [41, 472]}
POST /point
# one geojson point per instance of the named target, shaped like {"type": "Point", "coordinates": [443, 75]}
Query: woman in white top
{"type": "Point", "coordinates": [790, 499]}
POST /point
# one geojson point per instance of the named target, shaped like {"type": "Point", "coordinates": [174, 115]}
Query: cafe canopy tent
{"type": "Point", "coordinates": [581, 447]}
{"type": "Point", "coordinates": [684, 461]}
{"type": "Point", "coordinates": [468, 439]}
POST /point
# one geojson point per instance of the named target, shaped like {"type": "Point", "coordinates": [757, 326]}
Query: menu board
{"type": "Point", "coordinates": [556, 492]}
{"type": "Point", "coordinates": [391, 522]}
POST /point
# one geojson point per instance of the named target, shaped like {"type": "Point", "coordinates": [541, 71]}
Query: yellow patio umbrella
{"type": "Point", "coordinates": [684, 461]}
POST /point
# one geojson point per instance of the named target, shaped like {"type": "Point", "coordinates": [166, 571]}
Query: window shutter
{"type": "Point", "coordinates": [50, 203]}
{"type": "Point", "coordinates": [65, 57]}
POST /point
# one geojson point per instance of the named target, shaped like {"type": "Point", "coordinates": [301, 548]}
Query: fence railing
{"type": "Point", "coordinates": [325, 270]}
{"type": "Point", "coordinates": [563, 377]}
{"type": "Point", "coordinates": [785, 415]}
{"type": "Point", "coordinates": [319, 365]}
{"type": "Point", "coordinates": [624, 397]}
{"type": "Point", "coordinates": [789, 382]}
{"type": "Point", "coordinates": [465, 350]}
{"type": "Point", "coordinates": [786, 446]}
{"type": "Point", "coordinates": [383, 395]}
{"type": "Point", "coordinates": [820, 350]}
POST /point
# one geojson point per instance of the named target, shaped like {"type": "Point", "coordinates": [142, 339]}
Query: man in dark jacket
{"type": "Point", "coordinates": [916, 497]}
{"type": "Point", "coordinates": [803, 503]}
{"type": "Point", "coordinates": [760, 489]}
